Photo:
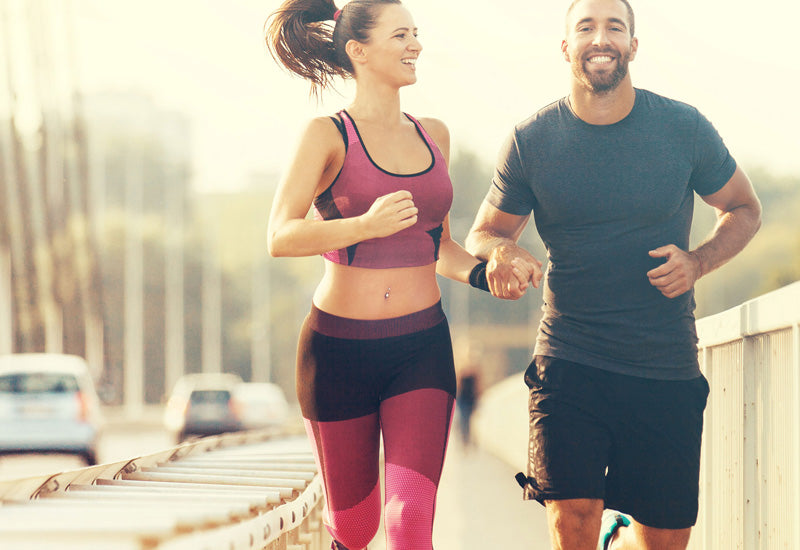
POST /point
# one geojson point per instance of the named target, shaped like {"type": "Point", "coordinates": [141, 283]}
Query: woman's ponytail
{"type": "Point", "coordinates": [299, 36]}
{"type": "Point", "coordinates": [303, 36]}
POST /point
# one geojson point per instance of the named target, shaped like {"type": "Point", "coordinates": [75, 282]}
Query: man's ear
{"type": "Point", "coordinates": [356, 52]}
{"type": "Point", "coordinates": [564, 48]}
{"type": "Point", "coordinates": [634, 47]}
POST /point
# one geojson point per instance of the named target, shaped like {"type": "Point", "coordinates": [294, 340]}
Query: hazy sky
{"type": "Point", "coordinates": [484, 67]}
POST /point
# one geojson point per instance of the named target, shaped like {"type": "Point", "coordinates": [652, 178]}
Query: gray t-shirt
{"type": "Point", "coordinates": [602, 197]}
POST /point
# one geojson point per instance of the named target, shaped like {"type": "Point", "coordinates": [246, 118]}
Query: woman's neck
{"type": "Point", "coordinates": [377, 106]}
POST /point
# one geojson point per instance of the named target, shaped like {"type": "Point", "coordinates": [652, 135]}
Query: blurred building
{"type": "Point", "coordinates": [93, 207]}
{"type": "Point", "coordinates": [50, 296]}
{"type": "Point", "coordinates": [139, 173]}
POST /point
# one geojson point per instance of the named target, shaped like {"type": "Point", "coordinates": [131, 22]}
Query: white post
{"type": "Point", "coordinates": [6, 302]}
{"type": "Point", "coordinates": [6, 286]}
{"type": "Point", "coordinates": [703, 529]}
{"type": "Point", "coordinates": [174, 303]}
{"type": "Point", "coordinates": [134, 299]}
{"type": "Point", "coordinates": [750, 475]}
{"type": "Point", "coordinates": [95, 329]}
{"type": "Point", "coordinates": [32, 119]}
{"type": "Point", "coordinates": [796, 434]}
{"type": "Point", "coordinates": [261, 331]}
{"type": "Point", "coordinates": [212, 307]}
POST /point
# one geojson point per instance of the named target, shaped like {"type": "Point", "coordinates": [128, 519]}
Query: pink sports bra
{"type": "Point", "coordinates": [361, 181]}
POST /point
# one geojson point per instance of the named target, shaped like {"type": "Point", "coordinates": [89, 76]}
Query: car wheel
{"type": "Point", "coordinates": [90, 457]}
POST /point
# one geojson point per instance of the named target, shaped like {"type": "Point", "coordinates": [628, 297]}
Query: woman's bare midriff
{"type": "Point", "coordinates": [361, 293]}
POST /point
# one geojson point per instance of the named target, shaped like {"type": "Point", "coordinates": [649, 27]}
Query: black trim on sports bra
{"type": "Point", "coordinates": [342, 130]}
{"type": "Point", "coordinates": [375, 164]}
{"type": "Point", "coordinates": [326, 206]}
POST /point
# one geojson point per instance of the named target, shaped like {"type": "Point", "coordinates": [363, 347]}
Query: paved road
{"type": "Point", "coordinates": [480, 506]}
{"type": "Point", "coordinates": [120, 441]}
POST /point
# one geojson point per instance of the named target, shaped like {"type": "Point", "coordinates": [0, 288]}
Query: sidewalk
{"type": "Point", "coordinates": [480, 506]}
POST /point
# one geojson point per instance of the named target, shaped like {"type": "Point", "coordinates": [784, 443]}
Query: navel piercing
{"type": "Point", "coordinates": [386, 296]}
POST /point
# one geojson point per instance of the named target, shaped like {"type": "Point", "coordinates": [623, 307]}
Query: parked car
{"type": "Point", "coordinates": [202, 404]}
{"type": "Point", "coordinates": [260, 405]}
{"type": "Point", "coordinates": [48, 404]}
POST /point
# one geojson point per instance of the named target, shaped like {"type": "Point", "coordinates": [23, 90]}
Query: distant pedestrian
{"type": "Point", "coordinates": [609, 173]}
{"type": "Point", "coordinates": [468, 374]}
{"type": "Point", "coordinates": [466, 401]}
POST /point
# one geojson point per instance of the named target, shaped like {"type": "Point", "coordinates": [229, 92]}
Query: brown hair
{"type": "Point", "coordinates": [303, 37]}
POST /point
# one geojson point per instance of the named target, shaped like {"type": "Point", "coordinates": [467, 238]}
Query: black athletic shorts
{"type": "Point", "coordinates": [632, 442]}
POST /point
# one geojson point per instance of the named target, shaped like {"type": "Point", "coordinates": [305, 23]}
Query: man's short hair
{"type": "Point", "coordinates": [631, 17]}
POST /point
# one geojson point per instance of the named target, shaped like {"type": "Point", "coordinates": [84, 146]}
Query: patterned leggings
{"type": "Point", "coordinates": [359, 379]}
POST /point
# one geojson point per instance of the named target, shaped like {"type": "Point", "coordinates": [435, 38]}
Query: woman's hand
{"type": "Point", "coordinates": [389, 214]}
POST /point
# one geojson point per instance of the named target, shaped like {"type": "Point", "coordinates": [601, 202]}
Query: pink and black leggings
{"type": "Point", "coordinates": [358, 379]}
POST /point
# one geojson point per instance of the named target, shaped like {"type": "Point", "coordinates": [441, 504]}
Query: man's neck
{"type": "Point", "coordinates": [605, 108]}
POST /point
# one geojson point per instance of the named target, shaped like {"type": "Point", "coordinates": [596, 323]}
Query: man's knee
{"type": "Point", "coordinates": [574, 523]}
{"type": "Point", "coordinates": [640, 537]}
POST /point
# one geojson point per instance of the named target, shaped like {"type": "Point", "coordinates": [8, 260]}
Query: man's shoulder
{"type": "Point", "coordinates": [663, 104]}
{"type": "Point", "coordinates": [545, 116]}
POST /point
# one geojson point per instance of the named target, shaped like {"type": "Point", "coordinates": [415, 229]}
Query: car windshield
{"type": "Point", "coordinates": [38, 382]}
{"type": "Point", "coordinates": [210, 397]}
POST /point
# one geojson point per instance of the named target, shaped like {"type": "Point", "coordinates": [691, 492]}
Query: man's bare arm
{"type": "Point", "coordinates": [493, 238]}
{"type": "Point", "coordinates": [738, 220]}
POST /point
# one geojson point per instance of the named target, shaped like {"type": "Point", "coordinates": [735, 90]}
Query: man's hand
{"type": "Point", "coordinates": [511, 270]}
{"type": "Point", "coordinates": [678, 274]}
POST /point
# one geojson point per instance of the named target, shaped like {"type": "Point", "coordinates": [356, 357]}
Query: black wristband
{"type": "Point", "coordinates": [477, 277]}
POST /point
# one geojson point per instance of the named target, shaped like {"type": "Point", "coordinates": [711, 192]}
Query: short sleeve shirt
{"type": "Point", "coordinates": [602, 197]}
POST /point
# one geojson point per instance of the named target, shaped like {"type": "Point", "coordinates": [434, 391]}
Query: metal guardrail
{"type": "Point", "coordinates": [253, 490]}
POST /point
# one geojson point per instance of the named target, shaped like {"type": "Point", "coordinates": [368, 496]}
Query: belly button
{"type": "Point", "coordinates": [388, 291]}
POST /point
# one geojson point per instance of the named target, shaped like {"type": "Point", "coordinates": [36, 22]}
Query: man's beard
{"type": "Point", "coordinates": [601, 82]}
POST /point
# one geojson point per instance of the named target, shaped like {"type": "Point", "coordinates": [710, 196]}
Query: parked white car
{"type": "Point", "coordinates": [48, 404]}
{"type": "Point", "coordinates": [260, 405]}
{"type": "Point", "coordinates": [201, 404]}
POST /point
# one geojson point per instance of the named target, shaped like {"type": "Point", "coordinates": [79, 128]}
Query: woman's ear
{"type": "Point", "coordinates": [356, 52]}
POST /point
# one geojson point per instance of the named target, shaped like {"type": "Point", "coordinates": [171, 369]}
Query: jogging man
{"type": "Point", "coordinates": [609, 173]}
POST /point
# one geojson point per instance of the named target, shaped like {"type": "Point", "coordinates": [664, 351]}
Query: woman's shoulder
{"type": "Point", "coordinates": [433, 124]}
{"type": "Point", "coordinates": [436, 128]}
{"type": "Point", "coordinates": [323, 126]}
{"type": "Point", "coordinates": [322, 131]}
